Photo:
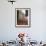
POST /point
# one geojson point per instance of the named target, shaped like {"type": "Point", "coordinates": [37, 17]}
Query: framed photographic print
{"type": "Point", "coordinates": [22, 17]}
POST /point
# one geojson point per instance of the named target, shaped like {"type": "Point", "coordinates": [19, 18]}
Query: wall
{"type": "Point", "coordinates": [8, 31]}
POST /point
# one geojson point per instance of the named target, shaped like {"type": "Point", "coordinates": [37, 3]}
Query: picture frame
{"type": "Point", "coordinates": [23, 17]}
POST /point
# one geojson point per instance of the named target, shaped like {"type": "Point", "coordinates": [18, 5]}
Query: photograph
{"type": "Point", "coordinates": [23, 17]}
{"type": "Point", "coordinates": [22, 22]}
